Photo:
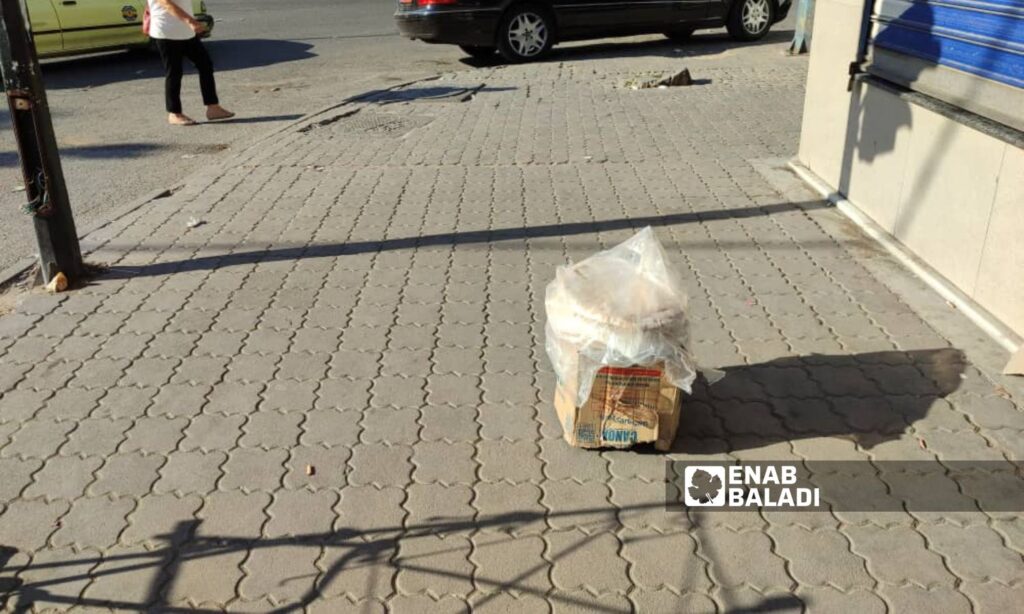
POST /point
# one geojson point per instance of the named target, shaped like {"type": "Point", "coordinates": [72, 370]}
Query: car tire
{"type": "Point", "coordinates": [478, 52]}
{"type": "Point", "coordinates": [526, 33]}
{"type": "Point", "coordinates": [750, 20]}
{"type": "Point", "coordinates": [680, 35]}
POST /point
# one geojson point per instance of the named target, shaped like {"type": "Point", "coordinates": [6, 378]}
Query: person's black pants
{"type": "Point", "coordinates": [172, 52]}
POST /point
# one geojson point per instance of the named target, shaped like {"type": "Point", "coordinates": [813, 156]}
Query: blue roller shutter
{"type": "Point", "coordinates": [966, 52]}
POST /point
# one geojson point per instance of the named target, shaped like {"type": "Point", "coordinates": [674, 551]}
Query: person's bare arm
{"type": "Point", "coordinates": [172, 8]}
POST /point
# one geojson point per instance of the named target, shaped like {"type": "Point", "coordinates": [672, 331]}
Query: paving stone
{"type": "Point", "coordinates": [508, 388]}
{"type": "Point", "coordinates": [447, 463]}
{"type": "Point", "coordinates": [501, 421]}
{"type": "Point", "coordinates": [975, 553]}
{"type": "Point", "coordinates": [564, 462]}
{"type": "Point", "coordinates": [449, 423]}
{"type": "Point", "coordinates": [329, 467]}
{"type": "Point", "coordinates": [395, 391]}
{"type": "Point", "coordinates": [820, 558]}
{"type": "Point", "coordinates": [205, 578]}
{"type": "Point", "coordinates": [918, 599]}
{"type": "Point", "coordinates": [71, 404]}
{"type": "Point", "coordinates": [440, 509]}
{"type": "Point", "coordinates": [514, 565]}
{"type": "Point", "coordinates": [411, 604]}
{"type": "Point", "coordinates": [17, 475]}
{"type": "Point", "coordinates": [513, 461]}
{"type": "Point", "coordinates": [93, 522]}
{"type": "Point", "coordinates": [666, 601]}
{"type": "Point", "coordinates": [505, 602]}
{"type": "Point", "coordinates": [578, 505]}
{"type": "Point", "coordinates": [668, 560]}
{"type": "Point", "coordinates": [392, 426]}
{"type": "Point", "coordinates": [63, 477]}
{"type": "Point", "coordinates": [62, 574]}
{"type": "Point", "coordinates": [37, 439]}
{"type": "Point", "coordinates": [641, 505]}
{"type": "Point", "coordinates": [368, 513]}
{"type": "Point", "coordinates": [190, 472]}
{"type": "Point", "coordinates": [301, 513]}
{"type": "Point", "coordinates": [743, 558]}
{"type": "Point", "coordinates": [510, 508]}
{"type": "Point", "coordinates": [993, 597]}
{"type": "Point", "coordinates": [27, 524]}
{"type": "Point", "coordinates": [233, 515]}
{"type": "Point", "coordinates": [127, 402]}
{"type": "Point", "coordinates": [270, 429]}
{"type": "Point", "coordinates": [381, 465]}
{"type": "Point", "coordinates": [331, 427]}
{"type": "Point", "coordinates": [200, 370]}
{"type": "Point", "coordinates": [154, 435]}
{"type": "Point", "coordinates": [126, 575]}
{"type": "Point", "coordinates": [20, 405]}
{"type": "Point", "coordinates": [449, 572]}
{"type": "Point", "coordinates": [898, 555]}
{"type": "Point", "coordinates": [233, 398]}
{"type": "Point", "coordinates": [126, 475]}
{"type": "Point", "coordinates": [454, 390]}
{"type": "Point", "coordinates": [253, 469]}
{"type": "Point", "coordinates": [213, 432]}
{"type": "Point", "coordinates": [827, 599]}
{"type": "Point", "coordinates": [161, 520]}
{"type": "Point", "coordinates": [283, 573]}
{"type": "Point", "coordinates": [582, 562]}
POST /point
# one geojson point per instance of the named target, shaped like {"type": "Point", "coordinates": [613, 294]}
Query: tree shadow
{"type": "Point", "coordinates": [118, 67]}
{"type": "Point", "coordinates": [868, 399]}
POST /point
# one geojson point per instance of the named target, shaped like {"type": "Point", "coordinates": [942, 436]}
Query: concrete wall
{"type": "Point", "coordinates": [952, 195]}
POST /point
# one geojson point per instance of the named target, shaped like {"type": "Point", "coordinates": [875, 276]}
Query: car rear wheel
{"type": "Point", "coordinates": [526, 33]}
{"type": "Point", "coordinates": [750, 20]}
{"type": "Point", "coordinates": [478, 52]}
{"type": "Point", "coordinates": [679, 35]}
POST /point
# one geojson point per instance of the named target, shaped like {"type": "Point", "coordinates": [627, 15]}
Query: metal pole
{"type": "Point", "coordinates": [804, 25]}
{"type": "Point", "coordinates": [40, 161]}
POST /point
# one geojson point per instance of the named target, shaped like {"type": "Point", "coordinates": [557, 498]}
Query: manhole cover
{"type": "Point", "coordinates": [370, 123]}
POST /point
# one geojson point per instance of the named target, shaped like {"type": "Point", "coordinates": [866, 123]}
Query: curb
{"type": "Point", "coordinates": [12, 274]}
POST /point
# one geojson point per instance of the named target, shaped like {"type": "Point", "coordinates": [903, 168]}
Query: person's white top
{"type": "Point", "coordinates": [162, 24]}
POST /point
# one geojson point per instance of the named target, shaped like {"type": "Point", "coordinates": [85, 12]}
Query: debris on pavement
{"type": "Point", "coordinates": [310, 470]}
{"type": "Point", "coordinates": [59, 283]}
{"type": "Point", "coordinates": [679, 79]}
{"type": "Point", "coordinates": [617, 337]}
{"type": "Point", "coordinates": [194, 222]}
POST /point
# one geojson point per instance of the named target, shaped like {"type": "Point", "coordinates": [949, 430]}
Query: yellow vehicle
{"type": "Point", "coordinates": [67, 27]}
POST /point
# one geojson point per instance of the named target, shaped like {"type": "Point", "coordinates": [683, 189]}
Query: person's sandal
{"type": "Point", "coordinates": [181, 120]}
{"type": "Point", "coordinates": [227, 115]}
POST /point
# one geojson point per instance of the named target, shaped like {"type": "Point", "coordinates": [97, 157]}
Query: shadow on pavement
{"type": "Point", "coordinates": [103, 69]}
{"type": "Point", "coordinates": [868, 398]}
{"type": "Point", "coordinates": [110, 151]}
{"type": "Point", "coordinates": [259, 119]}
{"type": "Point", "coordinates": [297, 252]}
{"type": "Point", "coordinates": [344, 550]}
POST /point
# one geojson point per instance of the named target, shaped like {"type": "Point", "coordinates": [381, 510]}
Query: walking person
{"type": "Point", "coordinates": [175, 31]}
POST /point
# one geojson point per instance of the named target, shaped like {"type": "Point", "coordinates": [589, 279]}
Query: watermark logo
{"type": "Point", "coordinates": [846, 486]}
{"type": "Point", "coordinates": [705, 486]}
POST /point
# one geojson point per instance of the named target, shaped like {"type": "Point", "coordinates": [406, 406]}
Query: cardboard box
{"type": "Point", "coordinates": [627, 406]}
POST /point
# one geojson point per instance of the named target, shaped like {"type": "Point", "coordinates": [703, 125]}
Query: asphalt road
{"type": "Point", "coordinates": [277, 60]}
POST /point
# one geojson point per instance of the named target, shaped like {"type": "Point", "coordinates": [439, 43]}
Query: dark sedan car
{"type": "Point", "coordinates": [525, 30]}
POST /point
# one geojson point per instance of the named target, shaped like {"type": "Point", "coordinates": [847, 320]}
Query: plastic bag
{"type": "Point", "coordinates": [621, 307]}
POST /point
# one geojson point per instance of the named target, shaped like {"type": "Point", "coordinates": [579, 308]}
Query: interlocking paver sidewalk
{"type": "Point", "coordinates": [333, 394]}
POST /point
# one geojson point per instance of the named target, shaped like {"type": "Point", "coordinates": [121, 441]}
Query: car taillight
{"type": "Point", "coordinates": [437, 2]}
